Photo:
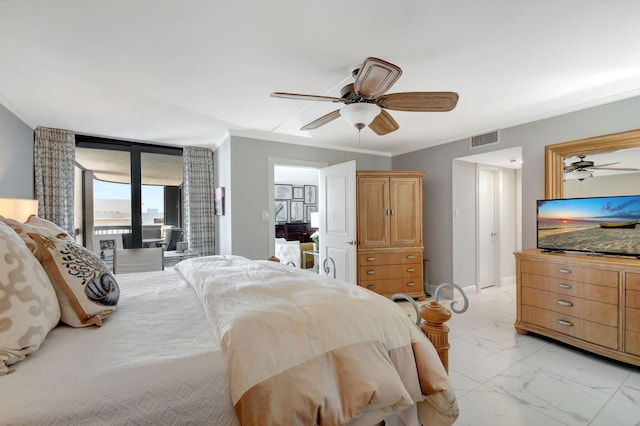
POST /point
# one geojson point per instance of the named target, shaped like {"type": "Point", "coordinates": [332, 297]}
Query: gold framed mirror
{"type": "Point", "coordinates": [554, 156]}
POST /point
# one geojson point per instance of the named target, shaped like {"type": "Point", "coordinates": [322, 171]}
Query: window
{"type": "Point", "coordinates": [127, 188]}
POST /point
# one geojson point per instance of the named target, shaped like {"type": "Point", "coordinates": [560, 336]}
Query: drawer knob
{"type": "Point", "coordinates": [371, 272]}
{"type": "Point", "coordinates": [411, 269]}
{"type": "Point", "coordinates": [567, 286]}
{"type": "Point", "coordinates": [411, 284]}
{"type": "Point", "coordinates": [565, 323]}
{"type": "Point", "coordinates": [411, 256]}
{"type": "Point", "coordinates": [565, 271]}
{"type": "Point", "coordinates": [371, 258]}
{"type": "Point", "coordinates": [564, 303]}
{"type": "Point", "coordinates": [371, 287]}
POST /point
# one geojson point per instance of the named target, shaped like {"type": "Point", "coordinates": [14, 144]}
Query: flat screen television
{"type": "Point", "coordinates": [597, 225]}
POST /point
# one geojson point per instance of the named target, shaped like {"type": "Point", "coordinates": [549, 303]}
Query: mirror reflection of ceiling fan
{"type": "Point", "coordinates": [366, 102]}
{"type": "Point", "coordinates": [583, 169]}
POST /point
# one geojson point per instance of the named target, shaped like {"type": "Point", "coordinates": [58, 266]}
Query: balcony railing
{"type": "Point", "coordinates": [112, 229]}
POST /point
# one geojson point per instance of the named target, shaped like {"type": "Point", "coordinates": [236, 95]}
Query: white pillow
{"type": "Point", "coordinates": [28, 305]}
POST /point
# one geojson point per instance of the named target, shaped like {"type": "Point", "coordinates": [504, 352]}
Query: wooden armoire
{"type": "Point", "coordinates": [390, 247]}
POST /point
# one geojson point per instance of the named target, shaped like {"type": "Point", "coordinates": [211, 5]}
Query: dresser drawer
{"type": "Point", "coordinates": [633, 281]}
{"type": "Point", "coordinates": [592, 332]}
{"type": "Point", "coordinates": [571, 272]}
{"type": "Point", "coordinates": [390, 258]}
{"type": "Point", "coordinates": [383, 272]}
{"type": "Point", "coordinates": [632, 317]}
{"type": "Point", "coordinates": [632, 342]}
{"type": "Point", "coordinates": [572, 288]}
{"type": "Point", "coordinates": [633, 298]}
{"type": "Point", "coordinates": [602, 313]}
{"type": "Point", "coordinates": [393, 286]}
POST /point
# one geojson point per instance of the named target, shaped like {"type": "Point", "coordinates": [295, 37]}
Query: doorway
{"type": "Point", "coordinates": [486, 198]}
{"type": "Point", "coordinates": [302, 175]}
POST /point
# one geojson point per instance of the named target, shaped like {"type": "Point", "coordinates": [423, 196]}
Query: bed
{"type": "Point", "coordinates": [225, 340]}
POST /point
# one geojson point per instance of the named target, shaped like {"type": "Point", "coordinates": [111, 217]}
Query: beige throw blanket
{"type": "Point", "coordinates": [303, 349]}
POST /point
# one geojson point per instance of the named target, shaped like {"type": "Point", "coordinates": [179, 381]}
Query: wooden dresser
{"type": "Point", "coordinates": [389, 216]}
{"type": "Point", "coordinates": [589, 302]}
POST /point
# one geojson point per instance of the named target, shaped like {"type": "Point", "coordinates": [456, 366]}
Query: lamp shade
{"type": "Point", "coordinates": [18, 208]}
{"type": "Point", "coordinates": [360, 114]}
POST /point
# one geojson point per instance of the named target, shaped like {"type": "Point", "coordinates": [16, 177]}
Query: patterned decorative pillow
{"type": "Point", "coordinates": [28, 305]}
{"type": "Point", "coordinates": [35, 225]}
{"type": "Point", "coordinates": [86, 289]}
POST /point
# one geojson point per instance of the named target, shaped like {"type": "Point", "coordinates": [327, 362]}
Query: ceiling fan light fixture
{"type": "Point", "coordinates": [360, 114]}
{"type": "Point", "coordinates": [582, 174]}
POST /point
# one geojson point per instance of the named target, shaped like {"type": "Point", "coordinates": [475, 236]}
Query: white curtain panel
{"type": "Point", "coordinates": [53, 163]}
{"type": "Point", "coordinates": [198, 199]}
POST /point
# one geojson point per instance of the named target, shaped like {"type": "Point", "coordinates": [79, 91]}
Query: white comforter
{"type": "Point", "coordinates": [154, 361]}
{"type": "Point", "coordinates": [304, 349]}
{"type": "Point", "coordinates": [157, 360]}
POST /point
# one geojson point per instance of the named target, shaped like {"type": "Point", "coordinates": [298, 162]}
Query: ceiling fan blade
{"type": "Point", "coordinates": [375, 77]}
{"type": "Point", "coordinates": [419, 101]}
{"type": "Point", "coordinates": [383, 124]}
{"type": "Point", "coordinates": [603, 165]}
{"type": "Point", "coordinates": [322, 120]}
{"type": "Point", "coordinates": [306, 97]}
{"type": "Point", "coordinates": [623, 169]}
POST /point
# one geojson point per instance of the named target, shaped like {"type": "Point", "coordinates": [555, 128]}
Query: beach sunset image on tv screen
{"type": "Point", "coordinates": [604, 225]}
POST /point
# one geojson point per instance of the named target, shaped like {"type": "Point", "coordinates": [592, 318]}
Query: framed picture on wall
{"type": "Point", "coordinates": [298, 193]}
{"type": "Point", "coordinates": [307, 212]}
{"type": "Point", "coordinates": [309, 194]}
{"type": "Point", "coordinates": [281, 212]}
{"type": "Point", "coordinates": [282, 192]}
{"type": "Point", "coordinates": [296, 210]}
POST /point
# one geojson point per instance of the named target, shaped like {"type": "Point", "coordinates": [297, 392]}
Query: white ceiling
{"type": "Point", "coordinates": [191, 72]}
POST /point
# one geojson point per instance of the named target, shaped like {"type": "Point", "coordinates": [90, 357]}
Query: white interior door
{"type": "Point", "coordinates": [337, 195]}
{"type": "Point", "coordinates": [487, 229]}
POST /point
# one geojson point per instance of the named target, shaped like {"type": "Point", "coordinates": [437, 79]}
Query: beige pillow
{"type": "Point", "coordinates": [35, 225]}
{"type": "Point", "coordinates": [86, 289]}
{"type": "Point", "coordinates": [28, 304]}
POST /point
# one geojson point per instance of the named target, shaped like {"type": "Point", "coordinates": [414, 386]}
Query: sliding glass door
{"type": "Point", "coordinates": [127, 188]}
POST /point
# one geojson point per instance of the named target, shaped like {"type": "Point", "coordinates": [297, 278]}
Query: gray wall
{"type": "Point", "coordinates": [532, 137]}
{"type": "Point", "coordinates": [16, 161]}
{"type": "Point", "coordinates": [248, 191]}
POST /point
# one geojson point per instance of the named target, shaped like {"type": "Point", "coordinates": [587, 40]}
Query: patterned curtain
{"type": "Point", "coordinates": [53, 164]}
{"type": "Point", "coordinates": [198, 199]}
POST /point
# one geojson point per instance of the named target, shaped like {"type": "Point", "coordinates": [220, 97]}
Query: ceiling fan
{"type": "Point", "coordinates": [366, 102]}
{"type": "Point", "coordinates": [583, 168]}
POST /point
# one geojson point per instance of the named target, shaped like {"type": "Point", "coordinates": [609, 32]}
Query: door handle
{"type": "Point", "coordinates": [351, 242]}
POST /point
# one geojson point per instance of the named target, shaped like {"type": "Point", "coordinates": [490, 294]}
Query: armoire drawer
{"type": "Point", "coordinates": [393, 286]}
{"type": "Point", "coordinates": [383, 272]}
{"type": "Point", "coordinates": [589, 331]}
{"type": "Point", "coordinates": [604, 277]}
{"type": "Point", "coordinates": [390, 258]}
{"type": "Point", "coordinates": [576, 307]}
{"type": "Point", "coordinates": [572, 288]}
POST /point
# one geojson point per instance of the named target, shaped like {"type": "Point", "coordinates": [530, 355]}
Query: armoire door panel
{"type": "Point", "coordinates": [373, 212]}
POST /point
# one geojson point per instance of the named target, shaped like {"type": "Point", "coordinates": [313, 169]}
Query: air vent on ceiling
{"type": "Point", "coordinates": [486, 139]}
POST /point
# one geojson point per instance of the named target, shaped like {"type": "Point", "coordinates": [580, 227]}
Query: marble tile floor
{"type": "Point", "coordinates": [503, 378]}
